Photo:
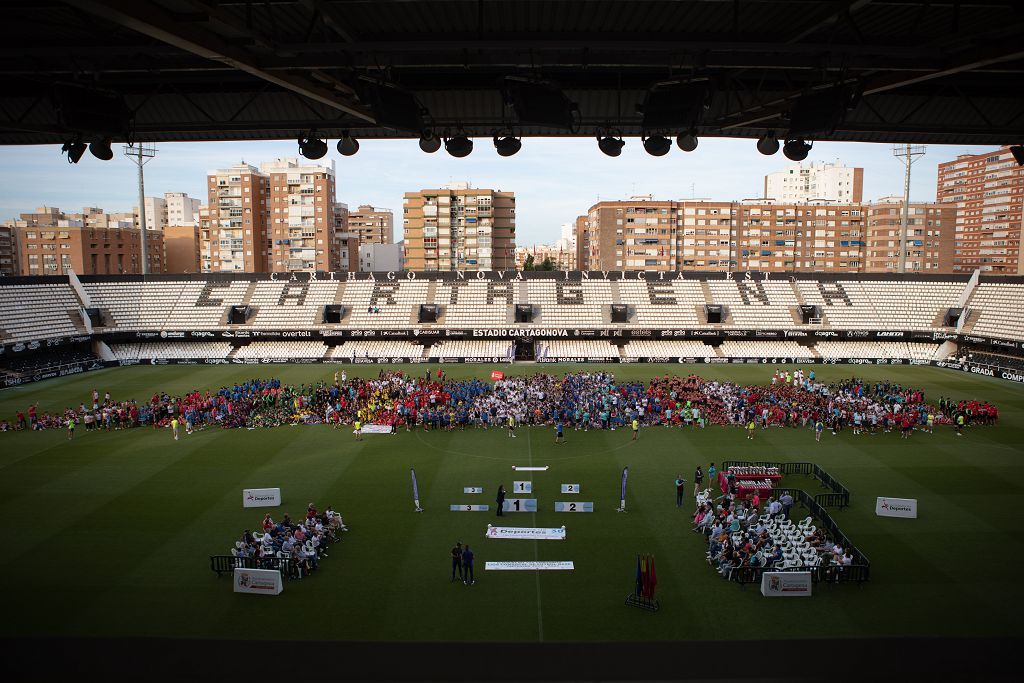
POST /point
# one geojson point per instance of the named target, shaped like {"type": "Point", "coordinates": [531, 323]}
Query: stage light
{"type": "Point", "coordinates": [74, 149]}
{"type": "Point", "coordinates": [611, 145]}
{"type": "Point", "coordinates": [312, 147]}
{"type": "Point", "coordinates": [769, 144]}
{"type": "Point", "coordinates": [507, 145]}
{"type": "Point", "coordinates": [687, 141]}
{"type": "Point", "coordinates": [347, 145]}
{"type": "Point", "coordinates": [657, 145]}
{"type": "Point", "coordinates": [101, 149]}
{"type": "Point", "coordinates": [429, 142]}
{"type": "Point", "coordinates": [1018, 154]}
{"type": "Point", "coordinates": [796, 150]}
{"type": "Point", "coordinates": [459, 146]}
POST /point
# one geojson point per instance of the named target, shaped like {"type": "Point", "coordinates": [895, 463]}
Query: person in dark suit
{"type": "Point", "coordinates": [467, 565]}
{"type": "Point", "coordinates": [501, 498]}
{"type": "Point", "coordinates": [457, 562]}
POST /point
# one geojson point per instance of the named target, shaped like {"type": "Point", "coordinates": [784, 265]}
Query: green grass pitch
{"type": "Point", "coordinates": [110, 534]}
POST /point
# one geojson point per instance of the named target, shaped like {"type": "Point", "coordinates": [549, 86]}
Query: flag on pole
{"type": "Point", "coordinates": [622, 498]}
{"type": "Point", "coordinates": [415, 491]}
{"type": "Point", "coordinates": [652, 579]}
{"type": "Point", "coordinates": [639, 578]}
{"type": "Point", "coordinates": [643, 575]}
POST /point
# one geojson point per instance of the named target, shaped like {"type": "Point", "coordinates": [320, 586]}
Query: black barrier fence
{"type": "Point", "coordinates": [858, 572]}
{"type": "Point", "coordinates": [839, 496]}
{"type": "Point", "coordinates": [226, 564]}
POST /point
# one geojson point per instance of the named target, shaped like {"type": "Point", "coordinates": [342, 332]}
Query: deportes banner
{"type": "Point", "coordinates": [415, 491]}
{"type": "Point", "coordinates": [377, 429]}
{"type": "Point", "coordinates": [540, 534]}
{"type": "Point", "coordinates": [258, 581]}
{"type": "Point", "coordinates": [622, 497]}
{"type": "Point", "coordinates": [896, 507]}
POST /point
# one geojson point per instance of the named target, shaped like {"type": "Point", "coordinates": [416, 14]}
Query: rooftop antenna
{"type": "Point", "coordinates": [908, 154]}
{"type": "Point", "coordinates": [140, 154]}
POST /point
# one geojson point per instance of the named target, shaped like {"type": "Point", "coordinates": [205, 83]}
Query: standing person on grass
{"type": "Point", "coordinates": [636, 428]}
{"type": "Point", "coordinates": [457, 562]}
{"type": "Point", "coordinates": [467, 566]}
{"type": "Point", "coordinates": [819, 426]}
{"type": "Point", "coordinates": [559, 435]}
{"type": "Point", "coordinates": [71, 428]}
{"type": "Point", "coordinates": [680, 490]}
{"type": "Point", "coordinates": [174, 427]}
{"type": "Point", "coordinates": [511, 425]}
{"type": "Point", "coordinates": [500, 500]}
{"type": "Point", "coordinates": [698, 479]}
{"type": "Point", "coordinates": [359, 430]}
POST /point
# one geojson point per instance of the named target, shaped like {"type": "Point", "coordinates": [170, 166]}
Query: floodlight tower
{"type": "Point", "coordinates": [141, 154]}
{"type": "Point", "coordinates": [908, 154]}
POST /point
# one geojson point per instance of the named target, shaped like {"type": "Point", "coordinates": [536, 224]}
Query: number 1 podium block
{"type": "Point", "coordinates": [574, 506]}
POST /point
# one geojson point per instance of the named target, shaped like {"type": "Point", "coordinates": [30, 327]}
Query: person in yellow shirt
{"type": "Point", "coordinates": [636, 428]}
{"type": "Point", "coordinates": [174, 428]}
{"type": "Point", "coordinates": [359, 430]}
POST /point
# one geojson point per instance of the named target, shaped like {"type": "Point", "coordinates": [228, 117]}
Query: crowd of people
{"type": "Point", "coordinates": [304, 543]}
{"type": "Point", "coordinates": [578, 401]}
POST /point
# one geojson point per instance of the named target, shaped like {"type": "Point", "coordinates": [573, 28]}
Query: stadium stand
{"type": "Point", "coordinates": [663, 304]}
{"type": "Point", "coordinates": [577, 348]}
{"type": "Point", "coordinates": [29, 312]}
{"type": "Point", "coordinates": [461, 348]}
{"type": "Point", "coordinates": [1000, 310]}
{"type": "Point", "coordinates": [149, 351]}
{"type": "Point", "coordinates": [756, 304]}
{"type": "Point", "coordinates": [647, 348]}
{"type": "Point", "coordinates": [277, 349]}
{"type": "Point", "coordinates": [876, 349]}
{"type": "Point", "coordinates": [383, 304]}
{"type": "Point", "coordinates": [475, 303]}
{"type": "Point", "coordinates": [376, 349]}
{"type": "Point", "coordinates": [783, 349]}
{"type": "Point", "coordinates": [569, 303]}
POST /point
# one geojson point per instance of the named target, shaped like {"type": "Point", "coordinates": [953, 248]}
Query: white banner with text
{"type": "Point", "coordinates": [261, 498]}
{"type": "Point", "coordinates": [258, 581]}
{"type": "Point", "coordinates": [896, 507]}
{"type": "Point", "coordinates": [540, 534]}
{"type": "Point", "coordinates": [528, 566]}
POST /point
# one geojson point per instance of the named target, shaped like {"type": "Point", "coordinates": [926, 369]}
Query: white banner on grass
{"type": "Point", "coordinates": [376, 429]}
{"type": "Point", "coordinates": [258, 581]}
{"type": "Point", "coordinates": [529, 566]}
{"type": "Point", "coordinates": [541, 534]}
{"type": "Point", "coordinates": [896, 507]}
{"type": "Point", "coordinates": [520, 468]}
{"type": "Point", "coordinates": [786, 584]}
{"type": "Point", "coordinates": [261, 498]}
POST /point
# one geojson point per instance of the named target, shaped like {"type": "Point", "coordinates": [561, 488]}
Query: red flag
{"type": "Point", "coordinates": [652, 579]}
{"type": "Point", "coordinates": [496, 375]}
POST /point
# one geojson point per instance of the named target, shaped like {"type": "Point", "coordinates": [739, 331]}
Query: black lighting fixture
{"type": "Point", "coordinates": [611, 143]}
{"type": "Point", "coordinates": [508, 144]}
{"type": "Point", "coordinates": [74, 149]}
{"type": "Point", "coordinates": [347, 145]}
{"type": "Point", "coordinates": [459, 145]}
{"type": "Point", "coordinates": [657, 145]}
{"type": "Point", "coordinates": [311, 146]}
{"type": "Point", "coordinates": [538, 102]}
{"type": "Point", "coordinates": [1018, 154]}
{"type": "Point", "coordinates": [687, 141]}
{"type": "Point", "coordinates": [429, 142]}
{"type": "Point", "coordinates": [100, 149]}
{"type": "Point", "coordinates": [796, 149]}
{"type": "Point", "coordinates": [768, 144]}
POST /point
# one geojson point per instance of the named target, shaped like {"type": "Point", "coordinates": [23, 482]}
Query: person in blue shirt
{"type": "Point", "coordinates": [467, 565]}
{"type": "Point", "coordinates": [559, 436]}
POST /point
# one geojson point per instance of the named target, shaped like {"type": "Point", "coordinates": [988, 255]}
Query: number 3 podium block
{"type": "Point", "coordinates": [469, 508]}
{"type": "Point", "coordinates": [574, 506]}
{"type": "Point", "coordinates": [520, 505]}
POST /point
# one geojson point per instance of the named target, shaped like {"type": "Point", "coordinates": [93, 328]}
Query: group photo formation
{"type": "Point", "coordinates": [511, 341]}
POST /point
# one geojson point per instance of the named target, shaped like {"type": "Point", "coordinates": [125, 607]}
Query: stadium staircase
{"type": "Point", "coordinates": [247, 299]}
{"type": "Point", "coordinates": [233, 352]}
{"type": "Point", "coordinates": [616, 296]}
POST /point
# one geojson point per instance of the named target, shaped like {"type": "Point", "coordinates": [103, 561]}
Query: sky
{"type": "Point", "coordinates": [555, 179]}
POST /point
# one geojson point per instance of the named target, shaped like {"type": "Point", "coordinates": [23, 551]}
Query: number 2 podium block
{"type": "Point", "coordinates": [574, 506]}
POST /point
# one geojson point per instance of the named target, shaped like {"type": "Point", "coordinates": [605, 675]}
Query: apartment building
{"type": "Point", "coordinates": [304, 233]}
{"type": "Point", "coordinates": [181, 249]}
{"type": "Point", "coordinates": [988, 191]}
{"type": "Point", "coordinates": [233, 229]}
{"type": "Point", "coordinates": [49, 241]}
{"type": "Point", "coordinates": [931, 233]}
{"type": "Point", "coordinates": [372, 225]}
{"type": "Point", "coordinates": [562, 256]}
{"type": "Point", "coordinates": [458, 227]}
{"type": "Point", "coordinates": [375, 258]}
{"type": "Point", "coordinates": [800, 182]}
{"type": "Point", "coordinates": [174, 208]}
{"type": "Point", "coordinates": [754, 234]}
{"type": "Point", "coordinates": [8, 251]}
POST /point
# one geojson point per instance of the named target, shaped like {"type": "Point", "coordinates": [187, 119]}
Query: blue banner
{"type": "Point", "coordinates": [625, 474]}
{"type": "Point", "coordinates": [415, 488]}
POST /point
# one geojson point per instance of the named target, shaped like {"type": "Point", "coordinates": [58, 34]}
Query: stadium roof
{"type": "Point", "coordinates": [885, 71]}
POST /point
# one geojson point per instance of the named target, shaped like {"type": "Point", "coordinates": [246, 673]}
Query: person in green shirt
{"type": "Point", "coordinates": [636, 428]}
{"type": "Point", "coordinates": [174, 428]}
{"type": "Point", "coordinates": [359, 430]}
{"type": "Point", "coordinates": [750, 430]}
{"type": "Point", "coordinates": [71, 428]}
